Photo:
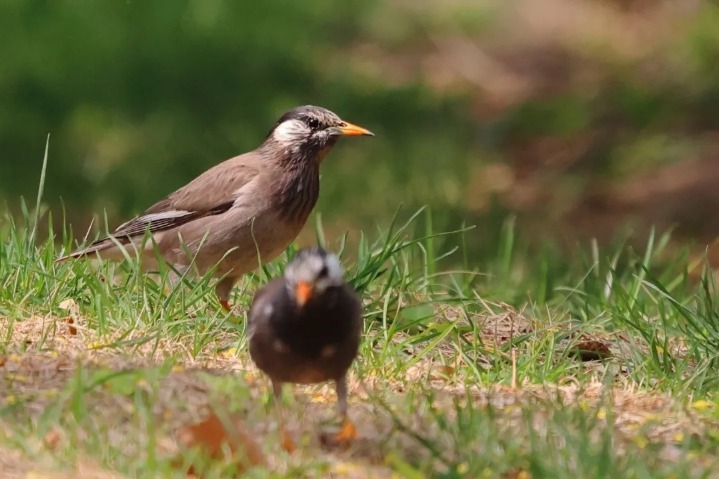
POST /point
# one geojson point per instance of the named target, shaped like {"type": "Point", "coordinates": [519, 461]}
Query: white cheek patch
{"type": "Point", "coordinates": [291, 132]}
{"type": "Point", "coordinates": [309, 269]}
{"type": "Point", "coordinates": [334, 268]}
{"type": "Point", "coordinates": [322, 284]}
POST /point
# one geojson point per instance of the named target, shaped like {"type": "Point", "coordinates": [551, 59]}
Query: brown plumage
{"type": "Point", "coordinates": [305, 328]}
{"type": "Point", "coordinates": [240, 213]}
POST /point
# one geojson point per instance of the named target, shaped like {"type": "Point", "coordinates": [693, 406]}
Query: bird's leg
{"type": "Point", "coordinates": [222, 289]}
{"type": "Point", "coordinates": [287, 443]}
{"type": "Point", "coordinates": [348, 432]}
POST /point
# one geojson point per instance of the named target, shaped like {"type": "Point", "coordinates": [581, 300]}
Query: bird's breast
{"type": "Point", "coordinates": [297, 193]}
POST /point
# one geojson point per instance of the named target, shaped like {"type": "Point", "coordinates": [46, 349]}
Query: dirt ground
{"type": "Point", "coordinates": [194, 388]}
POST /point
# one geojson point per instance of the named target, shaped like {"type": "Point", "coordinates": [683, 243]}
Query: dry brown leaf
{"type": "Point", "coordinates": [51, 439]}
{"type": "Point", "coordinates": [518, 473]}
{"type": "Point", "coordinates": [211, 434]}
{"type": "Point", "coordinates": [73, 310]}
{"type": "Point", "coordinates": [591, 350]}
{"type": "Point", "coordinates": [71, 329]}
{"type": "Point", "coordinates": [443, 371]}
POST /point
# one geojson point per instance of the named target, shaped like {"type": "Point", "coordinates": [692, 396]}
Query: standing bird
{"type": "Point", "coordinates": [240, 213]}
{"type": "Point", "coordinates": [305, 328]}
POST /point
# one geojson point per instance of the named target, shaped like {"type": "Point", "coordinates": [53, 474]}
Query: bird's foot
{"type": "Point", "coordinates": [342, 438]}
{"type": "Point", "coordinates": [288, 444]}
{"type": "Point", "coordinates": [347, 433]}
{"type": "Point", "coordinates": [226, 305]}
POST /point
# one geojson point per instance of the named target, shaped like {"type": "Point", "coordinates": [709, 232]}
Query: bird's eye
{"type": "Point", "coordinates": [323, 272]}
{"type": "Point", "coordinates": [313, 123]}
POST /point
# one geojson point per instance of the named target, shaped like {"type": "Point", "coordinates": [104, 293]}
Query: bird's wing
{"type": "Point", "coordinates": [264, 297]}
{"type": "Point", "coordinates": [212, 193]}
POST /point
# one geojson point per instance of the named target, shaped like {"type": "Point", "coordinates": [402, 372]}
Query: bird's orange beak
{"type": "Point", "coordinates": [348, 129]}
{"type": "Point", "coordinates": [303, 292]}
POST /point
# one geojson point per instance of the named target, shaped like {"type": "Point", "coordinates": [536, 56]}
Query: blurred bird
{"type": "Point", "coordinates": [240, 213]}
{"type": "Point", "coordinates": [304, 328]}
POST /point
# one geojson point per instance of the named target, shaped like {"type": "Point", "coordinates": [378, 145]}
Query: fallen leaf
{"type": "Point", "coordinates": [73, 310]}
{"type": "Point", "coordinates": [51, 439]}
{"type": "Point", "coordinates": [590, 350]}
{"type": "Point", "coordinates": [518, 473]}
{"type": "Point", "coordinates": [702, 405]}
{"type": "Point", "coordinates": [443, 371]}
{"type": "Point", "coordinates": [229, 353]}
{"type": "Point", "coordinates": [71, 330]}
{"type": "Point", "coordinates": [211, 434]}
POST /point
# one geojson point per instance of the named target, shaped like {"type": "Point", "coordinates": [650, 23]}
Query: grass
{"type": "Point", "coordinates": [602, 363]}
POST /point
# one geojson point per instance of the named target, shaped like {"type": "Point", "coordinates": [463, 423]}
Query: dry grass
{"type": "Point", "coordinates": [35, 380]}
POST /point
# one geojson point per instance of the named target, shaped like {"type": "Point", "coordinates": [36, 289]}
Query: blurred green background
{"type": "Point", "coordinates": [580, 117]}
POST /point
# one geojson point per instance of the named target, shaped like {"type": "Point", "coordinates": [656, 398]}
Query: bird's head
{"type": "Point", "coordinates": [311, 130]}
{"type": "Point", "coordinates": [310, 273]}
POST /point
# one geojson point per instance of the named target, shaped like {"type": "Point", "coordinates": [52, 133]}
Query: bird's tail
{"type": "Point", "coordinates": [96, 247]}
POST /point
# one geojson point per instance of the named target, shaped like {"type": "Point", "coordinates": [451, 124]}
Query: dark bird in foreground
{"type": "Point", "coordinates": [241, 213]}
{"type": "Point", "coordinates": [305, 327]}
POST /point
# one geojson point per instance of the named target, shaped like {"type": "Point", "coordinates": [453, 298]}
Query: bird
{"type": "Point", "coordinates": [304, 328]}
{"type": "Point", "coordinates": [239, 214]}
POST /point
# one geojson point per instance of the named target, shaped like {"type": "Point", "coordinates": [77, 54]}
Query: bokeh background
{"type": "Point", "coordinates": [581, 118]}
